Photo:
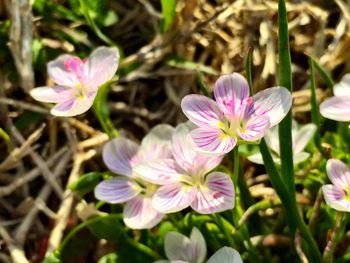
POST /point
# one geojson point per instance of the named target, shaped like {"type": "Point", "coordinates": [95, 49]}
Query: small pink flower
{"type": "Point", "coordinates": [179, 248]}
{"type": "Point", "coordinates": [184, 180]}
{"type": "Point", "coordinates": [234, 116]}
{"type": "Point", "coordinates": [121, 156]}
{"type": "Point", "coordinates": [337, 194]}
{"type": "Point", "coordinates": [338, 107]}
{"type": "Point", "coordinates": [77, 81]}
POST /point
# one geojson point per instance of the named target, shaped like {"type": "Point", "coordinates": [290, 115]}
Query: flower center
{"type": "Point", "coordinates": [231, 126]}
{"type": "Point", "coordinates": [81, 91]}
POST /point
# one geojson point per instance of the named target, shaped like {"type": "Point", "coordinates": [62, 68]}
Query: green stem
{"type": "Point", "coordinates": [315, 110]}
{"type": "Point", "coordinates": [294, 218]}
{"type": "Point", "coordinates": [248, 70]}
{"type": "Point", "coordinates": [326, 77]}
{"type": "Point", "coordinates": [201, 84]}
{"type": "Point", "coordinates": [219, 221]}
{"type": "Point", "coordinates": [7, 140]}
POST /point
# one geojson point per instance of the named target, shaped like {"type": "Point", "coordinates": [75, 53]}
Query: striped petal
{"type": "Point", "coordinates": [338, 173]}
{"type": "Point", "coordinates": [101, 66]}
{"type": "Point", "coordinates": [212, 141]}
{"type": "Point", "coordinates": [190, 160]}
{"type": "Point", "coordinates": [73, 106]}
{"type": "Point", "coordinates": [117, 190]}
{"type": "Point", "coordinates": [199, 247]}
{"type": "Point", "coordinates": [225, 255]}
{"type": "Point", "coordinates": [140, 214]}
{"type": "Point", "coordinates": [272, 139]}
{"type": "Point", "coordinates": [335, 198]}
{"type": "Point", "coordinates": [173, 197]}
{"type": "Point", "coordinates": [336, 108]}
{"type": "Point", "coordinates": [52, 94]}
{"type": "Point", "coordinates": [255, 128]}
{"type": "Point", "coordinates": [231, 94]}
{"type": "Point", "coordinates": [343, 87]}
{"type": "Point", "coordinates": [60, 72]}
{"type": "Point", "coordinates": [160, 171]}
{"type": "Point", "coordinates": [303, 137]}
{"type": "Point", "coordinates": [178, 247]}
{"type": "Point", "coordinates": [119, 155]}
{"type": "Point", "coordinates": [274, 102]}
{"type": "Point", "coordinates": [216, 195]}
{"type": "Point", "coordinates": [201, 110]}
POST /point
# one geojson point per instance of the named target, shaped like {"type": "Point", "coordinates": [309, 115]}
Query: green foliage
{"type": "Point", "coordinates": [109, 258]}
{"type": "Point", "coordinates": [86, 182]}
{"type": "Point", "coordinates": [168, 14]}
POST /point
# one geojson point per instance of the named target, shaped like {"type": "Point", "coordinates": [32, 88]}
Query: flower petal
{"type": "Point", "coordinates": [73, 107]}
{"type": "Point", "coordinates": [191, 161]}
{"type": "Point", "coordinates": [300, 157]}
{"type": "Point", "coordinates": [256, 158]}
{"type": "Point", "coordinates": [173, 197]}
{"type": "Point", "coordinates": [212, 141]}
{"type": "Point", "coordinates": [117, 190]}
{"type": "Point", "coordinates": [272, 139]}
{"type": "Point", "coordinates": [231, 94]}
{"type": "Point", "coordinates": [101, 66]}
{"type": "Point", "coordinates": [199, 247]}
{"type": "Point", "coordinates": [343, 87]}
{"type": "Point", "coordinates": [303, 136]}
{"type": "Point", "coordinates": [201, 110]}
{"type": "Point", "coordinates": [274, 102]}
{"type": "Point", "coordinates": [119, 154]}
{"type": "Point", "coordinates": [225, 255]}
{"type": "Point", "coordinates": [157, 143]}
{"type": "Point", "coordinates": [339, 173]}
{"type": "Point", "coordinates": [255, 128]}
{"type": "Point", "coordinates": [60, 73]}
{"type": "Point", "coordinates": [216, 195]}
{"type": "Point", "coordinates": [336, 108]}
{"type": "Point", "coordinates": [160, 171]}
{"type": "Point", "coordinates": [140, 214]}
{"type": "Point", "coordinates": [178, 247]}
{"type": "Point", "coordinates": [335, 198]}
{"type": "Point", "coordinates": [51, 94]}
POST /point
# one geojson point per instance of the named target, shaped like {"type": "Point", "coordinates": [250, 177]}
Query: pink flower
{"type": "Point", "coordinates": [226, 255]}
{"type": "Point", "coordinates": [184, 180]}
{"type": "Point", "coordinates": [77, 81]}
{"type": "Point", "coordinates": [179, 248]}
{"type": "Point", "coordinates": [337, 194]}
{"type": "Point", "coordinates": [234, 116]}
{"type": "Point", "coordinates": [338, 107]}
{"type": "Point", "coordinates": [121, 156]}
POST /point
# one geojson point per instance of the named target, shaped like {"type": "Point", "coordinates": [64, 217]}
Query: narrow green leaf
{"type": "Point", "coordinates": [101, 110]}
{"type": "Point", "coordinates": [54, 257]}
{"type": "Point", "coordinates": [168, 13]}
{"type": "Point", "coordinates": [248, 70]}
{"type": "Point", "coordinates": [285, 80]}
{"type": "Point", "coordinates": [86, 183]}
{"type": "Point", "coordinates": [7, 140]}
{"type": "Point", "coordinates": [315, 109]}
{"type": "Point", "coordinates": [186, 64]}
{"type": "Point", "coordinates": [202, 85]}
{"type": "Point", "coordinates": [326, 77]}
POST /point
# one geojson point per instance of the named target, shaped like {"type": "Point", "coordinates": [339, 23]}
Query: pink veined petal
{"type": "Point", "coordinates": [191, 161]}
{"type": "Point", "coordinates": [52, 94]}
{"type": "Point", "coordinates": [303, 137]}
{"type": "Point", "coordinates": [157, 143]}
{"type": "Point", "coordinates": [173, 197]}
{"type": "Point", "coordinates": [160, 171]}
{"type": "Point", "coordinates": [212, 141]}
{"type": "Point", "coordinates": [118, 154]}
{"type": "Point", "coordinates": [73, 107]}
{"type": "Point", "coordinates": [226, 255]}
{"type": "Point", "coordinates": [274, 102]}
{"type": "Point", "coordinates": [201, 110]}
{"type": "Point", "coordinates": [101, 66]}
{"type": "Point", "coordinates": [117, 190]}
{"type": "Point", "coordinates": [335, 198]}
{"type": "Point", "coordinates": [60, 73]}
{"type": "Point", "coordinates": [336, 108]}
{"type": "Point", "coordinates": [231, 92]}
{"type": "Point", "coordinates": [140, 214]}
{"type": "Point", "coordinates": [178, 247]}
{"type": "Point", "coordinates": [216, 195]}
{"type": "Point", "coordinates": [255, 128]}
{"type": "Point", "coordinates": [199, 247]}
{"type": "Point", "coordinates": [339, 173]}
{"type": "Point", "coordinates": [343, 87]}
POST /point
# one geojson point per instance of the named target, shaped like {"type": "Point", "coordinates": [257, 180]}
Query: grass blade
{"type": "Point", "coordinates": [168, 13]}
{"type": "Point", "coordinates": [248, 70]}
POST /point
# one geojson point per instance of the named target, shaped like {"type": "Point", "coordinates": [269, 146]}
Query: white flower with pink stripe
{"type": "Point", "coordinates": [338, 107]}
{"type": "Point", "coordinates": [234, 116]}
{"type": "Point", "coordinates": [185, 181]}
{"type": "Point", "coordinates": [121, 156]}
{"type": "Point", "coordinates": [337, 194]}
{"type": "Point", "coordinates": [77, 81]}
